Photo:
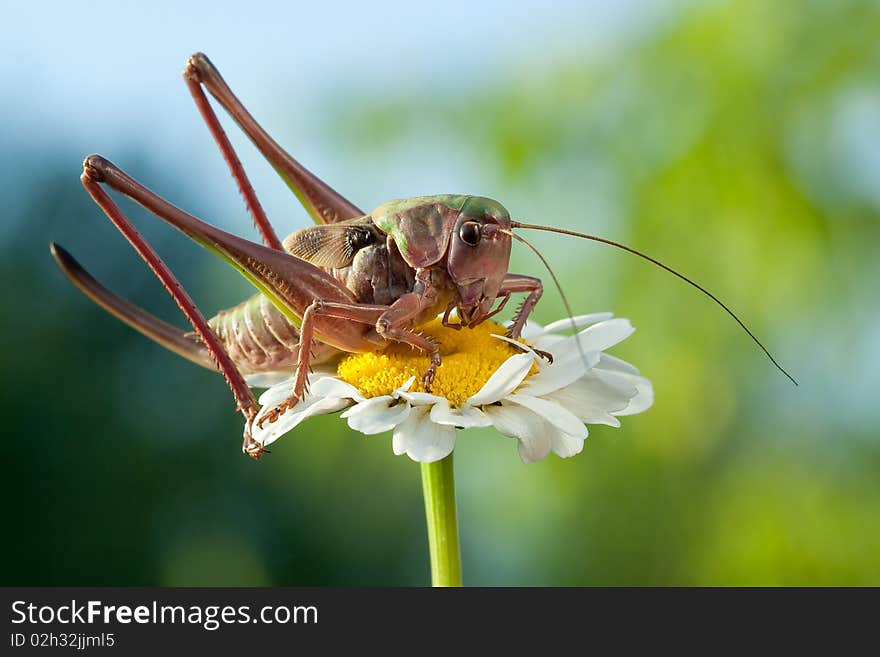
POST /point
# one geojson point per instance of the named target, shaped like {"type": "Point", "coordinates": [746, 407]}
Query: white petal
{"type": "Point", "coordinates": [266, 379]}
{"type": "Point", "coordinates": [614, 364]}
{"type": "Point", "coordinates": [591, 401]}
{"type": "Point", "coordinates": [643, 398]}
{"type": "Point", "coordinates": [559, 374]}
{"type": "Point", "coordinates": [532, 431]}
{"type": "Point", "coordinates": [530, 330]}
{"type": "Point", "coordinates": [554, 413]}
{"type": "Point", "coordinates": [503, 380]}
{"type": "Point", "coordinates": [421, 439]}
{"type": "Point", "coordinates": [531, 451]}
{"type": "Point", "coordinates": [600, 395]}
{"type": "Point", "coordinates": [598, 337]}
{"type": "Point", "coordinates": [565, 445]}
{"type": "Point", "coordinates": [580, 321]}
{"type": "Point", "coordinates": [277, 393]}
{"type": "Point", "coordinates": [516, 343]}
{"type": "Point", "coordinates": [421, 398]}
{"type": "Point", "coordinates": [406, 386]}
{"type": "Point", "coordinates": [329, 386]}
{"type": "Point", "coordinates": [547, 340]}
{"type": "Point", "coordinates": [465, 417]}
{"type": "Point", "coordinates": [371, 405]}
{"type": "Point", "coordinates": [309, 407]}
{"type": "Point", "coordinates": [604, 335]}
{"type": "Point", "coordinates": [376, 415]}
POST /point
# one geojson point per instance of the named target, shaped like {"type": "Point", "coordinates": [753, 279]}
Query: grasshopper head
{"type": "Point", "coordinates": [479, 253]}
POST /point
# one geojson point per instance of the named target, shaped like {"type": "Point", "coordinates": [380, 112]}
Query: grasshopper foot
{"type": "Point", "coordinates": [253, 449]}
{"type": "Point", "coordinates": [431, 372]}
{"type": "Point", "coordinates": [514, 334]}
{"type": "Point", "coordinates": [428, 378]}
{"type": "Point", "coordinates": [300, 389]}
{"type": "Point", "coordinates": [278, 411]}
{"type": "Point", "coordinates": [546, 355]}
{"type": "Point", "coordinates": [250, 446]}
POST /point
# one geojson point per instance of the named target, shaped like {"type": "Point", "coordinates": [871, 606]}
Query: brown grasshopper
{"type": "Point", "coordinates": [355, 282]}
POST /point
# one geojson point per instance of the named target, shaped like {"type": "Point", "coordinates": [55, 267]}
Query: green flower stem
{"type": "Point", "coordinates": [438, 484]}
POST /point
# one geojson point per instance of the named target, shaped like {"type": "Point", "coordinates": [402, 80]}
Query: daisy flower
{"type": "Point", "coordinates": [485, 380]}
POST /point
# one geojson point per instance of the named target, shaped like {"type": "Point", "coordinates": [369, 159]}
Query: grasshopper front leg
{"type": "Point", "coordinates": [520, 283]}
{"type": "Point", "coordinates": [395, 324]}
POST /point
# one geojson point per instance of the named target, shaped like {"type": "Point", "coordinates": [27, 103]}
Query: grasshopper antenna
{"type": "Point", "coordinates": [532, 248]}
{"type": "Point", "coordinates": [516, 224]}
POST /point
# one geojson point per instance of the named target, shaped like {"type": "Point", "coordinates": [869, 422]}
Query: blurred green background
{"type": "Point", "coordinates": [738, 141]}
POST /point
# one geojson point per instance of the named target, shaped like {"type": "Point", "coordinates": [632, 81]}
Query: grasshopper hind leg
{"type": "Point", "coordinates": [183, 344]}
{"type": "Point", "coordinates": [323, 203]}
{"type": "Point", "coordinates": [92, 177]}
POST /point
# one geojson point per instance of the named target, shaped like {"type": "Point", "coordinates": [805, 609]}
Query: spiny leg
{"type": "Point", "coordinates": [420, 342]}
{"type": "Point", "coordinates": [366, 314]}
{"type": "Point", "coordinates": [394, 324]}
{"type": "Point", "coordinates": [322, 202]}
{"type": "Point", "coordinates": [91, 178]}
{"type": "Point", "coordinates": [504, 296]}
{"type": "Point", "coordinates": [261, 221]}
{"type": "Point", "coordinates": [520, 283]}
{"type": "Point", "coordinates": [445, 319]}
{"type": "Point", "coordinates": [409, 309]}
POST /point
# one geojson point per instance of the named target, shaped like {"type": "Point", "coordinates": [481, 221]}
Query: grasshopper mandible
{"type": "Point", "coordinates": [354, 282]}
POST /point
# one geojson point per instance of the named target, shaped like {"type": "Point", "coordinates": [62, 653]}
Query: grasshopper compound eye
{"type": "Point", "coordinates": [470, 233]}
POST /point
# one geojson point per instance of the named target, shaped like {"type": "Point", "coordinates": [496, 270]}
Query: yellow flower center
{"type": "Point", "coordinates": [470, 357]}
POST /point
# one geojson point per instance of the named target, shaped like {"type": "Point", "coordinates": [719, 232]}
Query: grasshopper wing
{"type": "Point", "coordinates": [332, 246]}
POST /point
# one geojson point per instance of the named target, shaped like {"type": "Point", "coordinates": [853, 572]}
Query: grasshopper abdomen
{"type": "Point", "coordinates": [259, 338]}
